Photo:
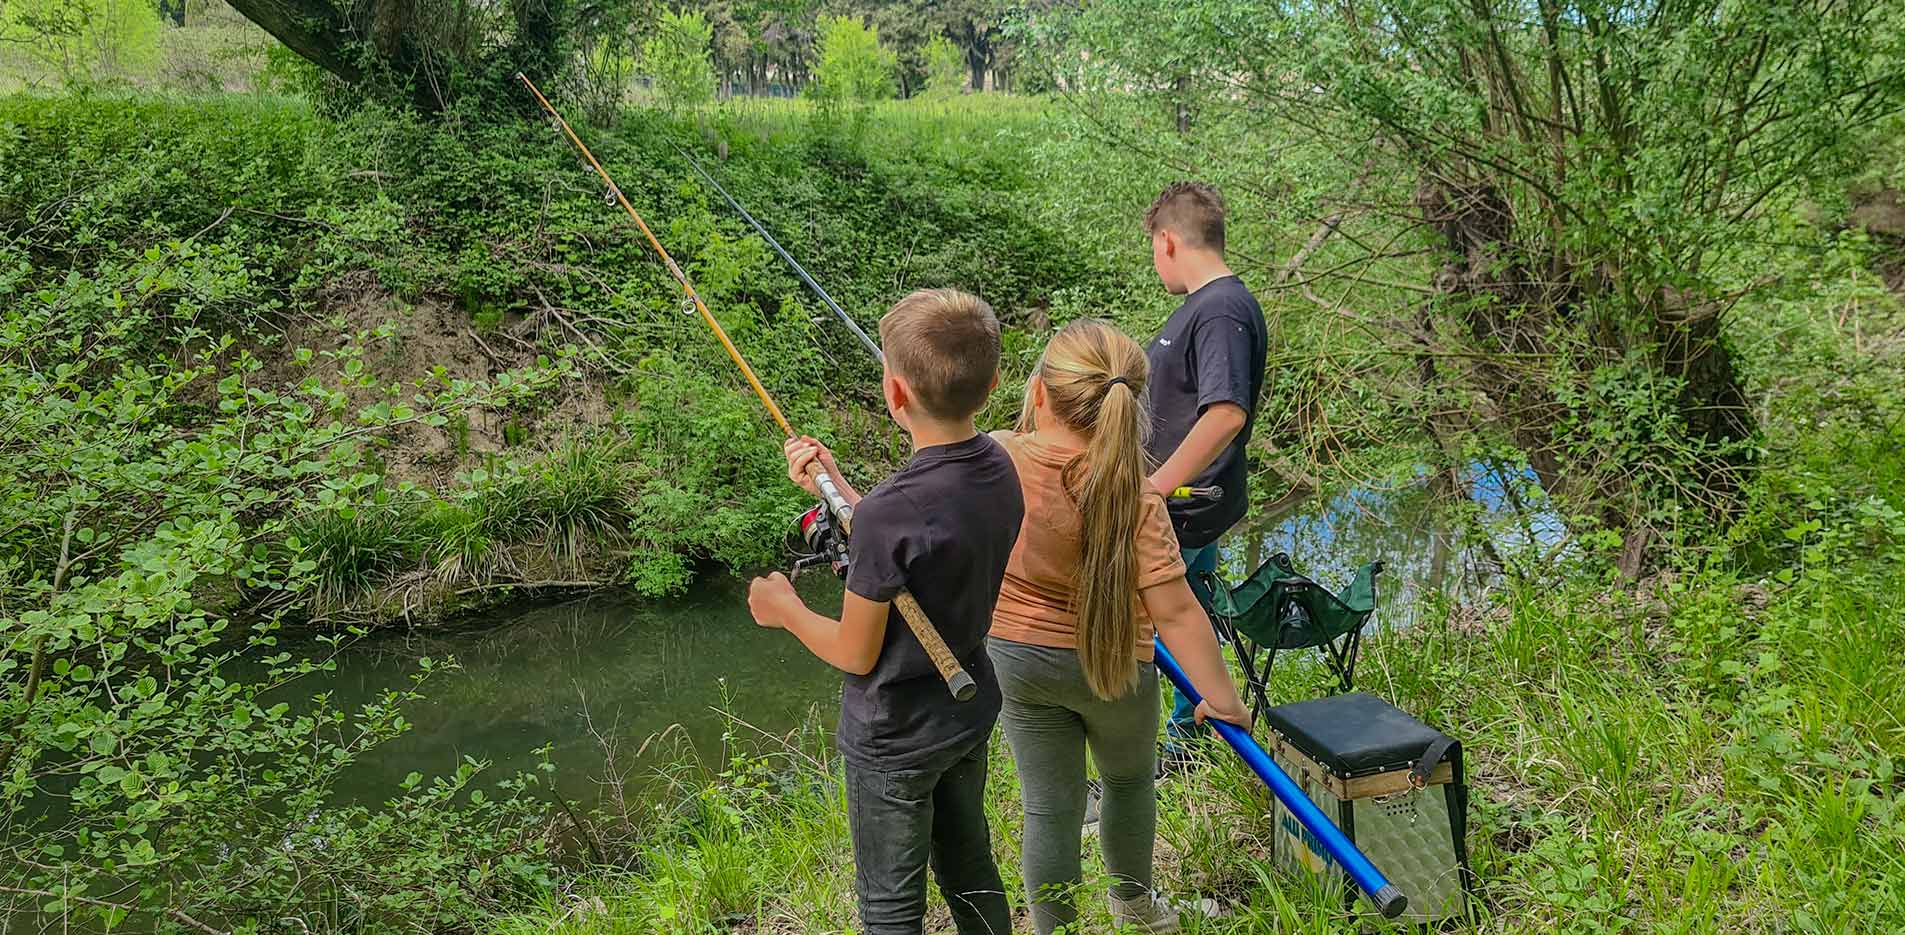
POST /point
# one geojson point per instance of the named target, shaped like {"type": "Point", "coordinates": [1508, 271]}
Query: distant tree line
{"type": "Point", "coordinates": [434, 51]}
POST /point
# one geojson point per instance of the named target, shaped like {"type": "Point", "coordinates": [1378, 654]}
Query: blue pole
{"type": "Point", "coordinates": [1381, 893]}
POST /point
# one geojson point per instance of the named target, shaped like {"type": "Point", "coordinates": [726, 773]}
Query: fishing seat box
{"type": "Point", "coordinates": [1356, 757]}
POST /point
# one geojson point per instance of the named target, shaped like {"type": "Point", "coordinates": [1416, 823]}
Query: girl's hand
{"type": "Point", "coordinates": [772, 601]}
{"type": "Point", "coordinates": [1223, 711]}
{"type": "Point", "coordinates": [803, 451]}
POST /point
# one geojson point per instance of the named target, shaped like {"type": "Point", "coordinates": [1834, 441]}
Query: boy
{"type": "Point", "coordinates": [942, 527]}
{"type": "Point", "coordinates": [1206, 373]}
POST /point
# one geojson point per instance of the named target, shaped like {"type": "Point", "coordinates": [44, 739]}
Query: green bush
{"type": "Point", "coordinates": [945, 68]}
{"type": "Point", "coordinates": [854, 67]}
{"type": "Point", "coordinates": [676, 58]}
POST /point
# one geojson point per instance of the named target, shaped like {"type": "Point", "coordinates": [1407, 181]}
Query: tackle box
{"type": "Point", "coordinates": [1392, 784]}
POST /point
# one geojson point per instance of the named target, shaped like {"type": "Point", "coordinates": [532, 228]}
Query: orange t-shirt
{"type": "Point", "coordinates": [1041, 578]}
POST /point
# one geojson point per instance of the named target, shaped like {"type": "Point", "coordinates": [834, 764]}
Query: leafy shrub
{"type": "Point", "coordinates": [854, 66]}
{"type": "Point", "coordinates": [945, 68]}
{"type": "Point", "coordinates": [676, 57]}
{"type": "Point", "coordinates": [85, 39]}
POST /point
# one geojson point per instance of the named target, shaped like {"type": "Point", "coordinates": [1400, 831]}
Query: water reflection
{"type": "Point", "coordinates": [559, 673]}
{"type": "Point", "coordinates": [1428, 545]}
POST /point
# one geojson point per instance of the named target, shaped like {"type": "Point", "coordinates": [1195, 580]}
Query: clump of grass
{"type": "Point", "coordinates": [355, 551]}
{"type": "Point", "coordinates": [569, 503]}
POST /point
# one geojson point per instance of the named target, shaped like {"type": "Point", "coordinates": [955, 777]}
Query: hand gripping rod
{"type": "Point", "coordinates": [957, 680]}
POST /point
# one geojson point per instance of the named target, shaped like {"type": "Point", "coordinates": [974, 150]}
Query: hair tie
{"type": "Point", "coordinates": [1114, 381]}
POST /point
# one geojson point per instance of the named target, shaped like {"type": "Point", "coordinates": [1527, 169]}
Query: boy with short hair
{"type": "Point", "coordinates": [1207, 368]}
{"type": "Point", "coordinates": [942, 527]}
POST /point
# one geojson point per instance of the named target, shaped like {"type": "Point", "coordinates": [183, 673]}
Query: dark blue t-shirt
{"type": "Point", "coordinates": [1211, 350]}
{"type": "Point", "coordinates": [942, 527]}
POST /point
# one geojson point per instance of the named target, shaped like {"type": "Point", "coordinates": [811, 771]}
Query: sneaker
{"type": "Point", "coordinates": [1158, 915]}
{"type": "Point", "coordinates": [1146, 912]}
{"type": "Point", "coordinates": [1094, 794]}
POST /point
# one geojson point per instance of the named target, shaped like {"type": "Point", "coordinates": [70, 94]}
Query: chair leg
{"type": "Point", "coordinates": [1261, 701]}
{"type": "Point", "coordinates": [1246, 651]}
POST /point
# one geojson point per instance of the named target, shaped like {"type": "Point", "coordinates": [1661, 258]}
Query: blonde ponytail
{"type": "Point", "coordinates": [1094, 378]}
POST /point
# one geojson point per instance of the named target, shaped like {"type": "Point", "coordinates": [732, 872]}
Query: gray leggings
{"type": "Point", "coordinates": [1050, 717]}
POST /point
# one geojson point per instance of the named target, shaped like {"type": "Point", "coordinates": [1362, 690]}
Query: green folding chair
{"type": "Point", "coordinates": [1277, 608]}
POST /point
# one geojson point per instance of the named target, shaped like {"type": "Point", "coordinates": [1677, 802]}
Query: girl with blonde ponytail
{"type": "Point", "coordinates": [1095, 574]}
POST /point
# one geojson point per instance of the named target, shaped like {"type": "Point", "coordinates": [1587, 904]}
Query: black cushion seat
{"type": "Point", "coordinates": [1353, 735]}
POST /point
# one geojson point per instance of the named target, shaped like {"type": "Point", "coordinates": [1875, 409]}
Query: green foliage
{"type": "Point", "coordinates": [85, 39]}
{"type": "Point", "coordinates": [158, 489]}
{"type": "Point", "coordinates": [854, 66]}
{"type": "Point", "coordinates": [945, 68]}
{"type": "Point", "coordinates": [1565, 196]}
{"type": "Point", "coordinates": [676, 58]}
{"type": "Point", "coordinates": [224, 477]}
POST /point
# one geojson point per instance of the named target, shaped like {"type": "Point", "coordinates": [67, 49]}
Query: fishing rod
{"type": "Point", "coordinates": [1180, 493]}
{"type": "Point", "coordinates": [957, 681]}
{"type": "Point", "coordinates": [775, 245]}
{"type": "Point", "coordinates": [1384, 895]}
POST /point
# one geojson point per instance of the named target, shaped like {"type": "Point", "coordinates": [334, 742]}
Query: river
{"type": "Point", "coordinates": [661, 681]}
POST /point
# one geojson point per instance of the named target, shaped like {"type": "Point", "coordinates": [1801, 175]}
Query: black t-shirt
{"type": "Point", "coordinates": [941, 527]}
{"type": "Point", "coordinates": [1210, 351]}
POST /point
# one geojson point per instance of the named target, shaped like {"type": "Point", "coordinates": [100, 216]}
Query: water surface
{"type": "Point", "coordinates": [661, 681]}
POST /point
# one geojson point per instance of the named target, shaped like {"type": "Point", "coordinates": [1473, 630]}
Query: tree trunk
{"type": "Point", "coordinates": [313, 29]}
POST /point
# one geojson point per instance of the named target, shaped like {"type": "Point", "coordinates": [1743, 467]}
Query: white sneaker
{"type": "Point", "coordinates": [1146, 912]}
{"type": "Point", "coordinates": [1158, 915]}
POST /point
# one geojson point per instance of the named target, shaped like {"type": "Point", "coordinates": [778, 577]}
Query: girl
{"type": "Point", "coordinates": [1096, 570]}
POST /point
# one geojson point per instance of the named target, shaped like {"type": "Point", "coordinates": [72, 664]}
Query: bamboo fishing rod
{"type": "Point", "coordinates": [957, 681]}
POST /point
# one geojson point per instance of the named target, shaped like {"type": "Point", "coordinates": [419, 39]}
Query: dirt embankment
{"type": "Point", "coordinates": [1881, 213]}
{"type": "Point", "coordinates": [402, 344]}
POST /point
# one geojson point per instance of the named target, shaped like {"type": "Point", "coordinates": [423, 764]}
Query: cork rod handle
{"type": "Point", "coordinates": [957, 681]}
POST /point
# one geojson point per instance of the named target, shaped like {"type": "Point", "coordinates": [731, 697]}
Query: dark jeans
{"type": "Point", "coordinates": [901, 819]}
{"type": "Point", "coordinates": [1183, 723]}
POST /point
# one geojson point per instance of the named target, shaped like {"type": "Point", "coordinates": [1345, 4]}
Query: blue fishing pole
{"type": "Point", "coordinates": [1381, 893]}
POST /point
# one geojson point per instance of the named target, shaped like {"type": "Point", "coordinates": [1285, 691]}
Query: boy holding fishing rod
{"type": "Point", "coordinates": [1207, 368]}
{"type": "Point", "coordinates": [943, 528]}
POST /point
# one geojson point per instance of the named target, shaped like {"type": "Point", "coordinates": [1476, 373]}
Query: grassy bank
{"type": "Point", "coordinates": [1716, 748]}
{"type": "Point", "coordinates": [1715, 751]}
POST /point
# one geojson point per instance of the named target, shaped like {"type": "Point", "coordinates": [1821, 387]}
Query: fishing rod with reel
{"type": "Point", "coordinates": [838, 512]}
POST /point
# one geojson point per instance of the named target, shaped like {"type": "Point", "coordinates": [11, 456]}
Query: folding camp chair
{"type": "Point", "coordinates": [1277, 608]}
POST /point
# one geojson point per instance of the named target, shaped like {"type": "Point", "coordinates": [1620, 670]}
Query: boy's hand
{"type": "Point", "coordinates": [803, 451]}
{"type": "Point", "coordinates": [1239, 716]}
{"type": "Point", "coordinates": [772, 601]}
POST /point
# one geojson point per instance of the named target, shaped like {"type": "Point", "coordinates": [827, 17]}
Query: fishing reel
{"type": "Point", "coordinates": [814, 540]}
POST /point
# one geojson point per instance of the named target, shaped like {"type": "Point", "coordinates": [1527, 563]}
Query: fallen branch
{"type": "Point", "coordinates": [531, 584]}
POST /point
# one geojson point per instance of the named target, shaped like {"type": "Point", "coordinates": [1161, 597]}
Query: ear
{"type": "Point", "coordinates": [898, 396]}
{"type": "Point", "coordinates": [1038, 393]}
{"type": "Point", "coordinates": [1170, 242]}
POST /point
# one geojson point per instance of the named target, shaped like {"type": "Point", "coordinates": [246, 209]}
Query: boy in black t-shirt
{"type": "Point", "coordinates": [1206, 374]}
{"type": "Point", "coordinates": [942, 527]}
